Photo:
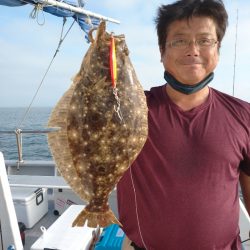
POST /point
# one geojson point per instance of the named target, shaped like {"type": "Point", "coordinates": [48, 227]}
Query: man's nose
{"type": "Point", "coordinates": [193, 48]}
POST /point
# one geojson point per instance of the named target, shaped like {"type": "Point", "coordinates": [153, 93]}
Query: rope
{"type": "Point", "coordinates": [35, 13]}
{"type": "Point", "coordinates": [235, 52]}
{"type": "Point", "coordinates": [46, 72]}
{"type": "Point", "coordinates": [81, 3]}
{"type": "Point", "coordinates": [245, 240]}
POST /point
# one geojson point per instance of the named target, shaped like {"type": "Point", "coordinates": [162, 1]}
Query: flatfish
{"type": "Point", "coordinates": [103, 126]}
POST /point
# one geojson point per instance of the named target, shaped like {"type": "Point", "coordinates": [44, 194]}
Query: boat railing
{"type": "Point", "coordinates": [32, 173]}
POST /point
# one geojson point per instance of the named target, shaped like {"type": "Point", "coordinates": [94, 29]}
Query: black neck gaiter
{"type": "Point", "coordinates": [184, 88]}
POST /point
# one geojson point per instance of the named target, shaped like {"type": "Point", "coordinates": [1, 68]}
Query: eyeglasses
{"type": "Point", "coordinates": [202, 43]}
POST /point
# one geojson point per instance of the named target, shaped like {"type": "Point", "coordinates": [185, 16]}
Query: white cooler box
{"type": "Point", "coordinates": [64, 198]}
{"type": "Point", "coordinates": [31, 204]}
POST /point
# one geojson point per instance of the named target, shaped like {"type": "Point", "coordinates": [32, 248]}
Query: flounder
{"type": "Point", "coordinates": [103, 126]}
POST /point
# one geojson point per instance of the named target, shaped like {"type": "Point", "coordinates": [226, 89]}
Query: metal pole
{"type": "Point", "coordinates": [77, 10]}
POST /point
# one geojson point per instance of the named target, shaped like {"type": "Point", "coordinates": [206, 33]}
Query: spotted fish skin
{"type": "Point", "coordinates": [102, 141]}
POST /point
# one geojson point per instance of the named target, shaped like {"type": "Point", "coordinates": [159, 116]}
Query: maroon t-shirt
{"type": "Point", "coordinates": [186, 176]}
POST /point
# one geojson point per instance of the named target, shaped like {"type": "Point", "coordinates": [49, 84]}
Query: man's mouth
{"type": "Point", "coordinates": [190, 61]}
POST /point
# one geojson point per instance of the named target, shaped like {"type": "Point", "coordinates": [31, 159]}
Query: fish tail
{"type": "Point", "coordinates": [94, 219]}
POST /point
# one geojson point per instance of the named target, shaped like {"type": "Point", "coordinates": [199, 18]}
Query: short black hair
{"type": "Point", "coordinates": [186, 9]}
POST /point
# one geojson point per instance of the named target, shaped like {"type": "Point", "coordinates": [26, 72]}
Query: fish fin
{"type": "Point", "coordinates": [94, 219]}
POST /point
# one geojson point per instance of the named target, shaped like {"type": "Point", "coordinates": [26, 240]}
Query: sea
{"type": "Point", "coordinates": [34, 146]}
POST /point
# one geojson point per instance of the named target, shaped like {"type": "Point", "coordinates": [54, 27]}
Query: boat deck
{"type": "Point", "coordinates": [32, 234]}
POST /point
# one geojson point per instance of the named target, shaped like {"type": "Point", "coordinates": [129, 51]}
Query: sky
{"type": "Point", "coordinates": [26, 49]}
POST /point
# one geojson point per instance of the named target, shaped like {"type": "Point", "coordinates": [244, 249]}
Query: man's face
{"type": "Point", "coordinates": [192, 64]}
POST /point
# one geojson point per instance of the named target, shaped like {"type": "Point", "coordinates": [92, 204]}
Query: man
{"type": "Point", "coordinates": [181, 193]}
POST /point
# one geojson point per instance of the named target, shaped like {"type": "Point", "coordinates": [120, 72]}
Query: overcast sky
{"type": "Point", "coordinates": [26, 50]}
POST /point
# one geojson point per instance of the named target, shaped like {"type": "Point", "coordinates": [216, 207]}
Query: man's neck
{"type": "Point", "coordinates": [187, 102]}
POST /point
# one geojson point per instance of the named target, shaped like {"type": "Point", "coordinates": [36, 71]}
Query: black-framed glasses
{"type": "Point", "coordinates": [202, 43]}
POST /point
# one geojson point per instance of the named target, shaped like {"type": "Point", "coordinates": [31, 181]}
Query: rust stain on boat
{"type": "Point", "coordinates": [102, 130]}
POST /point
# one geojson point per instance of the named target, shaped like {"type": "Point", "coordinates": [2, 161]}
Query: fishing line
{"type": "Point", "coordinates": [136, 208]}
{"type": "Point", "coordinates": [235, 57]}
{"type": "Point", "coordinates": [114, 81]}
{"type": "Point", "coordinates": [235, 51]}
{"type": "Point", "coordinates": [46, 72]}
